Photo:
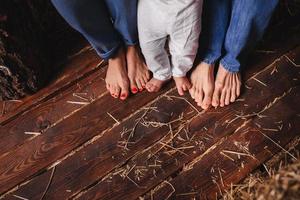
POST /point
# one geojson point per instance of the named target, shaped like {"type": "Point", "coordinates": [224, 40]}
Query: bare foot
{"type": "Point", "coordinates": [183, 84]}
{"type": "Point", "coordinates": [116, 76]}
{"type": "Point", "coordinates": [154, 85]}
{"type": "Point", "coordinates": [202, 79]}
{"type": "Point", "coordinates": [227, 87]}
{"type": "Point", "coordinates": [138, 72]}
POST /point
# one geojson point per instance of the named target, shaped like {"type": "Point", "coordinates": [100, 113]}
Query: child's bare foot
{"type": "Point", "coordinates": [138, 73]}
{"type": "Point", "coordinates": [116, 76]}
{"type": "Point", "coordinates": [227, 87]}
{"type": "Point", "coordinates": [154, 85]}
{"type": "Point", "coordinates": [202, 79]}
{"type": "Point", "coordinates": [183, 84]}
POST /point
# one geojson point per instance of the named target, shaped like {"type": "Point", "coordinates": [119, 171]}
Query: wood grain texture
{"type": "Point", "coordinates": [206, 130]}
{"type": "Point", "coordinates": [256, 142]}
{"type": "Point", "coordinates": [81, 153]}
{"type": "Point", "coordinates": [72, 71]}
{"type": "Point", "coordinates": [46, 114]}
{"type": "Point", "coordinates": [93, 162]}
{"type": "Point", "coordinates": [40, 152]}
{"type": "Point", "coordinates": [104, 157]}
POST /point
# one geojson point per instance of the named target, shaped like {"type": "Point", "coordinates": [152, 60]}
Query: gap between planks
{"type": "Point", "coordinates": [93, 139]}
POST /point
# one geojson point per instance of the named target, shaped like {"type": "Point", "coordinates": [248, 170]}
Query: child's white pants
{"type": "Point", "coordinates": [179, 21]}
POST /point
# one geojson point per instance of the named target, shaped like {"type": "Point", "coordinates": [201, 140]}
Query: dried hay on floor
{"type": "Point", "coordinates": [278, 182]}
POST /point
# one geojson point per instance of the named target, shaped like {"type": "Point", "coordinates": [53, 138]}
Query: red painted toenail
{"type": "Point", "coordinates": [123, 95]}
{"type": "Point", "coordinates": [134, 90]}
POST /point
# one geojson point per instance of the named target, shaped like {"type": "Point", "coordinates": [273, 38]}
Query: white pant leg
{"type": "Point", "coordinates": [184, 37]}
{"type": "Point", "coordinates": [152, 28]}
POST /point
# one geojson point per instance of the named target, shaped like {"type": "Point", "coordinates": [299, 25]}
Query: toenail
{"type": "Point", "coordinates": [134, 90]}
{"type": "Point", "coordinates": [123, 95]}
{"type": "Point", "coordinates": [141, 89]}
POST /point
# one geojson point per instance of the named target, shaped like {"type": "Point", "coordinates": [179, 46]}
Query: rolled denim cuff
{"type": "Point", "coordinates": [230, 67]}
{"type": "Point", "coordinates": [209, 59]}
{"type": "Point", "coordinates": [109, 54]}
{"type": "Point", "coordinates": [131, 43]}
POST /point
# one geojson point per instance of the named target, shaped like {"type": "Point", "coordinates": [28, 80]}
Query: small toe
{"type": "Point", "coordinates": [113, 91]}
{"type": "Point", "coordinates": [192, 92]}
{"type": "Point", "coordinates": [227, 97]}
{"type": "Point", "coordinates": [134, 88]}
{"type": "Point", "coordinates": [180, 91]}
{"type": "Point", "coordinates": [222, 98]}
{"type": "Point", "coordinates": [233, 95]}
{"type": "Point", "coordinates": [199, 97]}
{"type": "Point", "coordinates": [149, 87]}
{"type": "Point", "coordinates": [139, 85]}
{"type": "Point", "coordinates": [215, 100]}
{"type": "Point", "coordinates": [207, 100]}
{"type": "Point", "coordinates": [124, 93]}
{"type": "Point", "coordinates": [117, 91]}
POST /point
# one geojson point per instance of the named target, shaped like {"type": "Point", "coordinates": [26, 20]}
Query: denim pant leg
{"type": "Point", "coordinates": [249, 19]}
{"type": "Point", "coordinates": [216, 15]}
{"type": "Point", "coordinates": [124, 16]}
{"type": "Point", "coordinates": [92, 19]}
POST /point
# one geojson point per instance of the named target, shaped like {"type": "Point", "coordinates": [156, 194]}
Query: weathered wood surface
{"type": "Point", "coordinates": [206, 132]}
{"type": "Point", "coordinates": [235, 157]}
{"type": "Point", "coordinates": [151, 144]}
{"type": "Point", "coordinates": [104, 165]}
{"type": "Point", "coordinates": [274, 44]}
{"type": "Point", "coordinates": [49, 113]}
{"type": "Point", "coordinates": [72, 71]}
{"type": "Point", "coordinates": [38, 153]}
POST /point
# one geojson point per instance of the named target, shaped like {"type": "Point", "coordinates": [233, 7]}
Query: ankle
{"type": "Point", "coordinates": [120, 55]}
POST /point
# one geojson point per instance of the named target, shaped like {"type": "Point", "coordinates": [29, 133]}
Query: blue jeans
{"type": "Point", "coordinates": [106, 24]}
{"type": "Point", "coordinates": [230, 27]}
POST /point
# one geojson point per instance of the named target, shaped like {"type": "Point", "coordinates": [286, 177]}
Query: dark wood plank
{"type": "Point", "coordinates": [106, 153]}
{"type": "Point", "coordinates": [86, 167]}
{"type": "Point", "coordinates": [73, 70]}
{"type": "Point", "coordinates": [275, 43]}
{"type": "Point", "coordinates": [258, 141]}
{"type": "Point", "coordinates": [79, 164]}
{"type": "Point", "coordinates": [48, 113]}
{"type": "Point", "coordinates": [206, 130]}
{"type": "Point", "coordinates": [37, 154]}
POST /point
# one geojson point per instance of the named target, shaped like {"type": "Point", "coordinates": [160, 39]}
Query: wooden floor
{"type": "Point", "coordinates": [72, 140]}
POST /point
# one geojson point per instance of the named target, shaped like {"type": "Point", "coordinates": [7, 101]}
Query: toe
{"type": "Point", "coordinates": [180, 90]}
{"type": "Point", "coordinates": [124, 93]}
{"type": "Point", "coordinates": [222, 98]}
{"type": "Point", "coordinates": [207, 100]}
{"type": "Point", "coordinates": [216, 97]}
{"type": "Point", "coordinates": [233, 94]}
{"type": "Point", "coordinates": [133, 86]}
{"type": "Point", "coordinates": [192, 92]}
{"type": "Point", "coordinates": [199, 97]}
{"type": "Point", "coordinates": [113, 91]}
{"type": "Point", "coordinates": [149, 87]}
{"type": "Point", "coordinates": [184, 88]}
{"type": "Point", "coordinates": [117, 91]}
{"type": "Point", "coordinates": [140, 84]}
{"type": "Point", "coordinates": [227, 97]}
{"type": "Point", "coordinates": [145, 81]}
